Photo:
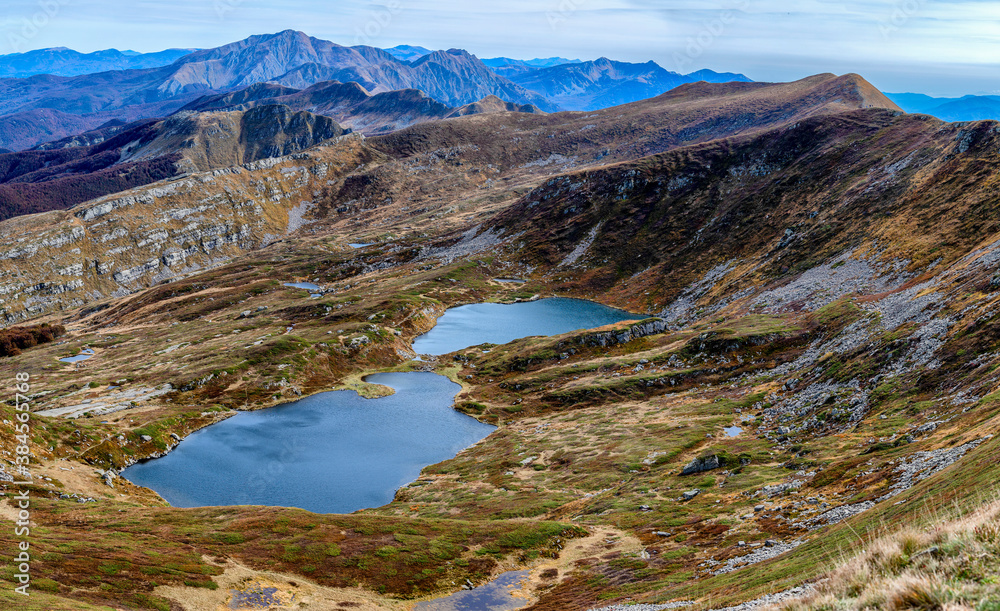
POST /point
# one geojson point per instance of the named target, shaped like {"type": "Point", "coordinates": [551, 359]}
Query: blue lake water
{"type": "Point", "coordinates": [361, 244]}
{"type": "Point", "coordinates": [336, 452]}
{"type": "Point", "coordinates": [330, 453]}
{"type": "Point", "coordinates": [496, 323]}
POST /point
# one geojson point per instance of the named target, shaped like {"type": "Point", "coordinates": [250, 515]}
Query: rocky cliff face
{"type": "Point", "coordinates": [117, 244]}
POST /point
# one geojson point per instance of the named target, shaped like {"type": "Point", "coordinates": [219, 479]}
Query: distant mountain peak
{"type": "Point", "coordinates": [448, 53]}
{"type": "Point", "coordinates": [408, 53]}
{"type": "Point", "coordinates": [62, 61]}
{"type": "Point", "coordinates": [965, 108]}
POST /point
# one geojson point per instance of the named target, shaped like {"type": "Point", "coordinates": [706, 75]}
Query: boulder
{"type": "Point", "coordinates": [690, 494]}
{"type": "Point", "coordinates": [109, 477]}
{"type": "Point", "coordinates": [700, 465]}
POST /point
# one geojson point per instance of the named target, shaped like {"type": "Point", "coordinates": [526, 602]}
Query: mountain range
{"type": "Point", "coordinates": [354, 107]}
{"type": "Point", "coordinates": [215, 131]}
{"type": "Point", "coordinates": [505, 66]}
{"type": "Point", "coordinates": [267, 119]}
{"type": "Point", "coordinates": [234, 130]}
{"type": "Point", "coordinates": [63, 106]}
{"type": "Point", "coordinates": [602, 83]}
{"type": "Point", "coordinates": [60, 61]}
{"type": "Point", "coordinates": [45, 107]}
{"type": "Point", "coordinates": [412, 53]}
{"type": "Point", "coordinates": [965, 108]}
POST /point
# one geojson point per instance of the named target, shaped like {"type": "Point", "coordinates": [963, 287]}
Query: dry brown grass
{"type": "Point", "coordinates": [954, 566]}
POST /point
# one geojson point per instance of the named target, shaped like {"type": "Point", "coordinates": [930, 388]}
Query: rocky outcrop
{"type": "Point", "coordinates": [644, 328]}
{"type": "Point", "coordinates": [690, 494]}
{"type": "Point", "coordinates": [700, 465]}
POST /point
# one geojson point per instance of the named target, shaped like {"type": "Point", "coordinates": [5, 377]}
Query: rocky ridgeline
{"type": "Point", "coordinates": [118, 244]}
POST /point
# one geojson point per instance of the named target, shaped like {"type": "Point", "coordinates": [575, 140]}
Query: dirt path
{"type": "Point", "coordinates": [259, 590]}
{"type": "Point", "coordinates": [602, 540]}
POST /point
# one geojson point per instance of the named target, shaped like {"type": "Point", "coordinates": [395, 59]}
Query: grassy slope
{"type": "Point", "coordinates": [121, 552]}
{"type": "Point", "coordinates": [948, 564]}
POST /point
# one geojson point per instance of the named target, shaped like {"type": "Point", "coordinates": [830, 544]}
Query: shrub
{"type": "Point", "coordinates": [15, 339]}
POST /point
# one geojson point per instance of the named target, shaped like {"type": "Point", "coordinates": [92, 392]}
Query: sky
{"type": "Point", "coordinates": [937, 47]}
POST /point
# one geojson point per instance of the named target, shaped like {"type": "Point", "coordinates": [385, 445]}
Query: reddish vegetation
{"type": "Point", "coordinates": [43, 180]}
{"type": "Point", "coordinates": [61, 193]}
{"type": "Point", "coordinates": [15, 339]}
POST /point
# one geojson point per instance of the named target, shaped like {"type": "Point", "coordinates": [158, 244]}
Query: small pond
{"type": "Point", "coordinates": [85, 354]}
{"type": "Point", "coordinates": [309, 286]}
{"type": "Point", "coordinates": [504, 593]}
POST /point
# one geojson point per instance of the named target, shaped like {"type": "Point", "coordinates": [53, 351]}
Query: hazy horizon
{"type": "Point", "coordinates": [939, 48]}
